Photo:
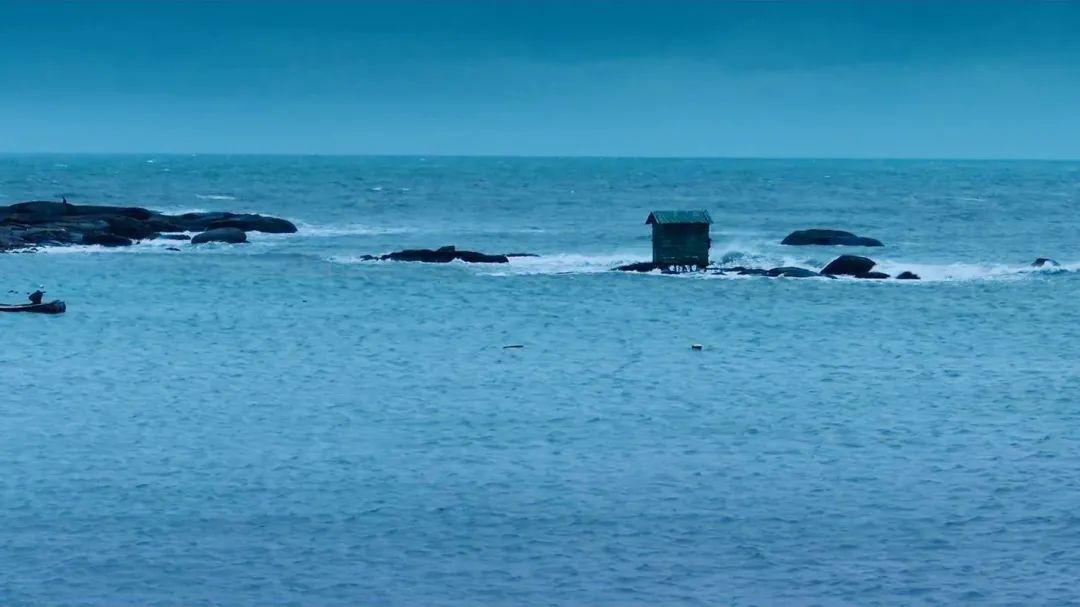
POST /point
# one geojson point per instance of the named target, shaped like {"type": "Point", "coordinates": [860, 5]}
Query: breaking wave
{"type": "Point", "coordinates": [353, 229]}
{"type": "Point", "coordinates": [215, 197]}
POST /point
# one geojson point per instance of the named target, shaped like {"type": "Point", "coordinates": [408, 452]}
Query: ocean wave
{"type": "Point", "coordinates": [351, 229]}
{"type": "Point", "coordinates": [215, 197]}
{"type": "Point", "coordinates": [566, 263]}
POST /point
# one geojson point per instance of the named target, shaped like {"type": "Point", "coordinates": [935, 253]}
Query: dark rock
{"type": "Point", "coordinates": [522, 255]}
{"type": "Point", "coordinates": [171, 249]}
{"type": "Point", "coordinates": [1045, 261]}
{"type": "Point", "coordinates": [46, 222]}
{"type": "Point", "coordinates": [173, 237]}
{"type": "Point", "coordinates": [130, 228]}
{"type": "Point", "coordinates": [848, 265]}
{"type": "Point", "coordinates": [45, 235]}
{"type": "Point", "coordinates": [754, 272]}
{"type": "Point", "coordinates": [422, 255]}
{"type": "Point", "coordinates": [106, 240]}
{"type": "Point", "coordinates": [161, 224]}
{"type": "Point", "coordinates": [81, 226]}
{"type": "Point", "coordinates": [89, 210]}
{"type": "Point", "coordinates": [444, 255]}
{"type": "Point", "coordinates": [828, 238]}
{"type": "Point", "coordinates": [255, 223]}
{"type": "Point", "coordinates": [641, 266]}
{"type": "Point", "coordinates": [905, 275]}
{"type": "Point", "coordinates": [792, 272]}
{"type": "Point", "coordinates": [873, 275]}
{"type": "Point", "coordinates": [474, 257]}
{"type": "Point", "coordinates": [229, 235]}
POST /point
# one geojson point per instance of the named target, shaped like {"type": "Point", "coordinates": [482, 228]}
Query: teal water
{"type": "Point", "coordinates": [280, 424]}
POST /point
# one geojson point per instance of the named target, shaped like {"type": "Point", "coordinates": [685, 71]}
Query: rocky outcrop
{"type": "Point", "coordinates": [905, 275]}
{"type": "Point", "coordinates": [48, 223]}
{"type": "Point", "coordinates": [872, 275]}
{"type": "Point", "coordinates": [247, 223]}
{"type": "Point", "coordinates": [849, 265]}
{"type": "Point", "coordinates": [829, 238]}
{"type": "Point", "coordinates": [229, 235]}
{"type": "Point", "coordinates": [440, 255]}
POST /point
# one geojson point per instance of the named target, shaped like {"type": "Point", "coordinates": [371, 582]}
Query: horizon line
{"type": "Point", "coordinates": [5, 153]}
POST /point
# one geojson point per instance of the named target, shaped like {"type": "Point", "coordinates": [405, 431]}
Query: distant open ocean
{"type": "Point", "coordinates": [279, 423]}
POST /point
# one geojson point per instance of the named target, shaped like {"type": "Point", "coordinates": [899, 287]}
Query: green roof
{"type": "Point", "coordinates": [679, 217]}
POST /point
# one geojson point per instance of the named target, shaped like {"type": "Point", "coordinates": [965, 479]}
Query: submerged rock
{"type": "Point", "coordinates": [641, 266]}
{"type": "Point", "coordinates": [792, 272]}
{"type": "Point", "coordinates": [753, 272]}
{"type": "Point", "coordinates": [229, 235]}
{"type": "Point", "coordinates": [849, 265]}
{"type": "Point", "coordinates": [905, 275]}
{"type": "Point", "coordinates": [872, 275]}
{"type": "Point", "coordinates": [1043, 262]}
{"type": "Point", "coordinates": [828, 238]}
{"type": "Point", "coordinates": [173, 237]}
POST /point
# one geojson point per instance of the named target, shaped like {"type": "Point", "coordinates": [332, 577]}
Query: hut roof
{"type": "Point", "coordinates": [679, 217]}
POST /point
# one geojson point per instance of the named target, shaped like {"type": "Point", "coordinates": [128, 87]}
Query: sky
{"type": "Point", "coordinates": [877, 78]}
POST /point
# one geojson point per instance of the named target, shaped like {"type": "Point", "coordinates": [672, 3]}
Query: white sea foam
{"type": "Point", "coordinates": [351, 229]}
{"type": "Point", "coordinates": [215, 197]}
{"type": "Point", "coordinates": [568, 263]}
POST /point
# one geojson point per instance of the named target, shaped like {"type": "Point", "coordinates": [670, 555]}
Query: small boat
{"type": "Point", "coordinates": [53, 307]}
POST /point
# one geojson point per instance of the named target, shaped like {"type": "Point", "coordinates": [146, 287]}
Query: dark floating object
{"type": "Point", "coordinates": [513, 347]}
{"type": "Point", "coordinates": [1043, 262]}
{"type": "Point", "coordinates": [171, 249]}
{"type": "Point", "coordinates": [52, 307]}
{"type": "Point", "coordinates": [836, 238]}
{"type": "Point", "coordinates": [695, 347]}
{"type": "Point", "coordinates": [849, 265]}
{"type": "Point", "coordinates": [905, 275]}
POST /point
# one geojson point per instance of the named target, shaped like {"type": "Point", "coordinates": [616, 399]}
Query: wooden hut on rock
{"type": "Point", "coordinates": [680, 239]}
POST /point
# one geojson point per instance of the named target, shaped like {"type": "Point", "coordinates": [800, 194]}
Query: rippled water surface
{"type": "Point", "coordinates": [280, 423]}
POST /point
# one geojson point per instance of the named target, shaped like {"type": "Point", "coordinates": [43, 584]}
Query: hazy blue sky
{"type": "Point", "coordinates": [608, 77]}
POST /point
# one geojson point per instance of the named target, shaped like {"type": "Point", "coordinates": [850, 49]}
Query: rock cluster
{"type": "Point", "coordinates": [443, 255]}
{"type": "Point", "coordinates": [836, 238]}
{"type": "Point", "coordinates": [42, 223]}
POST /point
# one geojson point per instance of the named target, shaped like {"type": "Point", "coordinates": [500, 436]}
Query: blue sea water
{"type": "Point", "coordinates": [279, 423]}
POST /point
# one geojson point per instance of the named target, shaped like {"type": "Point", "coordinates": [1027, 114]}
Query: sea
{"type": "Point", "coordinates": [283, 423]}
